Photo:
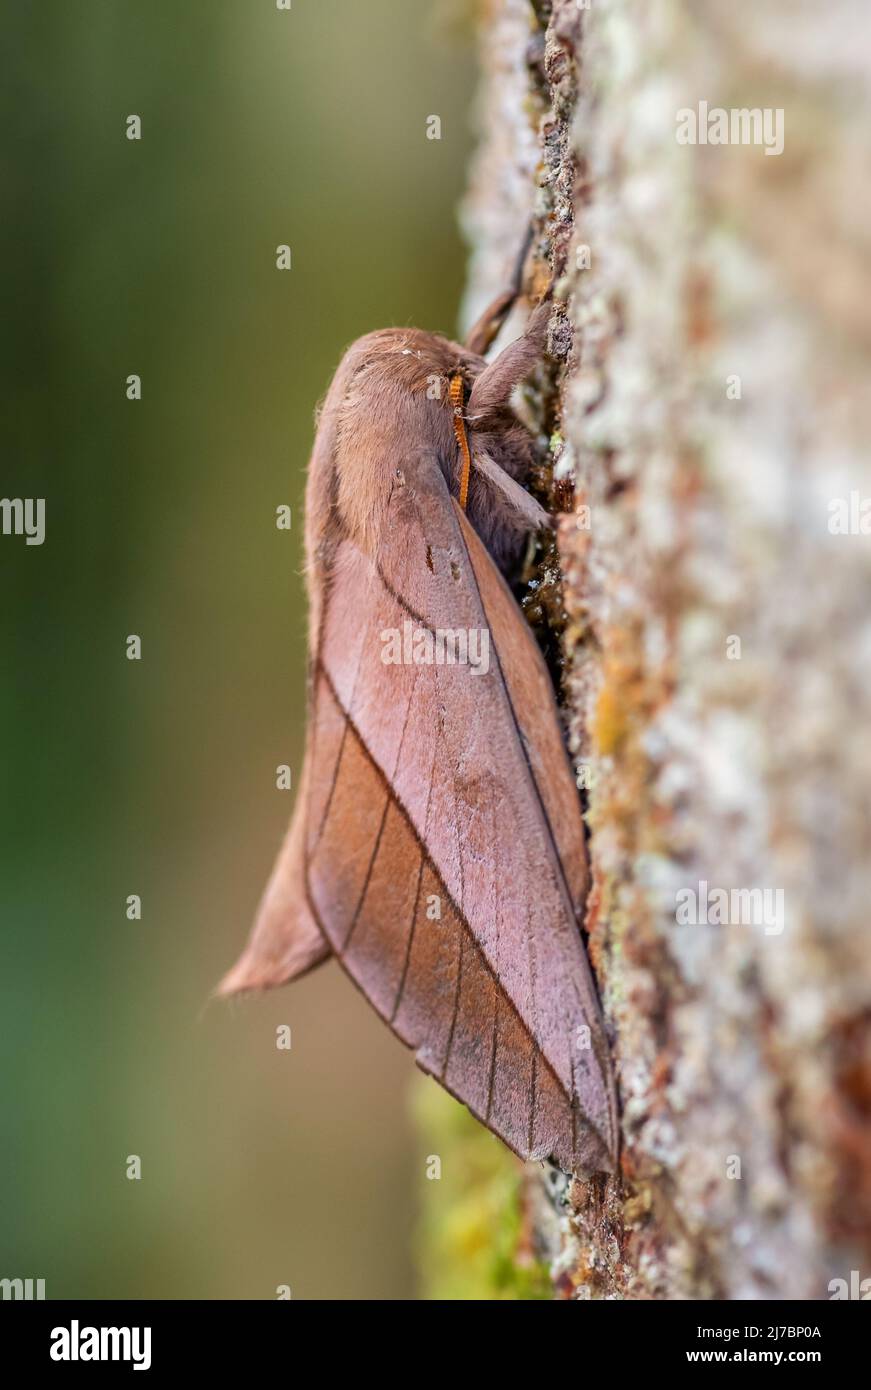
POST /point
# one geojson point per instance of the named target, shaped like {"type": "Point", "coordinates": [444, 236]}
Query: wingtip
{"type": "Point", "coordinates": [236, 981]}
{"type": "Point", "coordinates": [254, 971]}
{"type": "Point", "coordinates": [593, 1156]}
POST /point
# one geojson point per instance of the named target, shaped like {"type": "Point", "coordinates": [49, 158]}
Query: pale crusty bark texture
{"type": "Point", "coordinates": [742, 1056]}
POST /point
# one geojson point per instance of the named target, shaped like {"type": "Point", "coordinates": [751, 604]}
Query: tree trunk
{"type": "Point", "coordinates": [707, 414]}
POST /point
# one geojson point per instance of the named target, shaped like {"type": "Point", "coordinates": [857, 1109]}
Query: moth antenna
{"type": "Point", "coordinates": [457, 394]}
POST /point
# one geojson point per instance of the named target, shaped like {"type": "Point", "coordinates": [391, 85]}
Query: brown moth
{"type": "Point", "coordinates": [436, 846]}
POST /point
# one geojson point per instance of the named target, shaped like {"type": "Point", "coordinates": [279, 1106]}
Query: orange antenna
{"type": "Point", "coordinates": [462, 438]}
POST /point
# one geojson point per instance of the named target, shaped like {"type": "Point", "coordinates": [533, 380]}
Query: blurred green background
{"type": "Point", "coordinates": [157, 257]}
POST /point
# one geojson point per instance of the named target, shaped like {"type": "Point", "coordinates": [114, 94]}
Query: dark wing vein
{"type": "Point", "coordinates": [333, 781]}
{"type": "Point", "coordinates": [368, 879]}
{"type": "Point", "coordinates": [456, 1008]}
{"type": "Point", "coordinates": [533, 980]}
{"type": "Point", "coordinates": [374, 855]}
{"type": "Point", "coordinates": [491, 1079]}
{"type": "Point", "coordinates": [400, 989]}
{"type": "Point", "coordinates": [423, 858]}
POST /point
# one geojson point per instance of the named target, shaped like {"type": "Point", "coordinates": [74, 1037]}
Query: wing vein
{"type": "Point", "coordinates": [458, 983]}
{"type": "Point", "coordinates": [423, 857]}
{"type": "Point", "coordinates": [400, 989]}
{"type": "Point", "coordinates": [367, 880]}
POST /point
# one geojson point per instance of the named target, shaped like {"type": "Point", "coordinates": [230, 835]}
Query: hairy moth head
{"type": "Point", "coordinates": [390, 402]}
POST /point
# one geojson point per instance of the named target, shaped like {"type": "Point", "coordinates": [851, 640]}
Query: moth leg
{"type": "Point", "coordinates": [484, 330]}
{"type": "Point", "coordinates": [517, 509]}
{"type": "Point", "coordinates": [492, 388]}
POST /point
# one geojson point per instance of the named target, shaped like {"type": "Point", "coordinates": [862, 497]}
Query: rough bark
{"type": "Point", "coordinates": [709, 520]}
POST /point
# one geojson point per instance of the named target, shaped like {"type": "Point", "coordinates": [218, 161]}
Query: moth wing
{"type": "Point", "coordinates": [285, 941]}
{"type": "Point", "coordinates": [444, 848]}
